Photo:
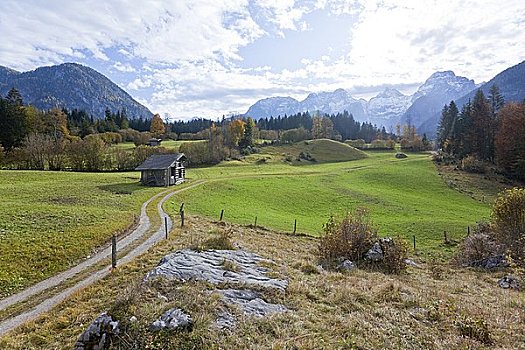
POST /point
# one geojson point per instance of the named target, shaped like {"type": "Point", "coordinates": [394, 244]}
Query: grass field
{"type": "Point", "coordinates": [405, 197]}
{"type": "Point", "coordinates": [322, 151]}
{"type": "Point", "coordinates": [50, 220]}
{"type": "Point", "coordinates": [434, 306]}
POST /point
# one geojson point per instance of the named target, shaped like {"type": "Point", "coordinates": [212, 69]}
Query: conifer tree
{"type": "Point", "coordinates": [482, 127]}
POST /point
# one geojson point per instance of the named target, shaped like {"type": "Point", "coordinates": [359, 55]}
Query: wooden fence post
{"type": "Point", "coordinates": [166, 226]}
{"type": "Point", "coordinates": [181, 213]}
{"type": "Point", "coordinates": [255, 224]}
{"type": "Point", "coordinates": [294, 226]}
{"type": "Point", "coordinates": [468, 231]}
{"type": "Point", "coordinates": [114, 251]}
{"type": "Point", "coordinates": [414, 237]}
{"type": "Point", "coordinates": [445, 237]}
{"type": "Point", "coordinates": [222, 213]}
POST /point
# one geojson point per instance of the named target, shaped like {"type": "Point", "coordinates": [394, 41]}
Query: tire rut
{"type": "Point", "coordinates": [142, 229]}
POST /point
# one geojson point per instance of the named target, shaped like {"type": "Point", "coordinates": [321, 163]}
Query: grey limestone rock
{"type": "Point", "coordinates": [250, 302]}
{"type": "Point", "coordinates": [346, 265]}
{"type": "Point", "coordinates": [375, 253]}
{"type": "Point", "coordinates": [185, 265]}
{"type": "Point", "coordinates": [492, 262]}
{"type": "Point", "coordinates": [226, 320]}
{"type": "Point", "coordinates": [98, 335]}
{"type": "Point", "coordinates": [171, 320]}
{"type": "Point", "coordinates": [509, 282]}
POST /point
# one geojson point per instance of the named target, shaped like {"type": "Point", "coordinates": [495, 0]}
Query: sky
{"type": "Point", "coordinates": [208, 58]}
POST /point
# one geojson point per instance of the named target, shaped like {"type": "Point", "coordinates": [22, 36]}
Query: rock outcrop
{"type": "Point", "coordinates": [98, 335]}
{"type": "Point", "coordinates": [217, 267]}
{"type": "Point", "coordinates": [172, 319]}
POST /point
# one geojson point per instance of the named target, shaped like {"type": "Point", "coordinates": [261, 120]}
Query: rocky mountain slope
{"type": "Point", "coordinates": [70, 86]}
{"type": "Point", "coordinates": [511, 83]}
{"type": "Point", "coordinates": [429, 99]}
{"type": "Point", "coordinates": [388, 108]}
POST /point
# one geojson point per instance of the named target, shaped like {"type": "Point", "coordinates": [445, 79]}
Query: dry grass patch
{"type": "Point", "coordinates": [328, 310]}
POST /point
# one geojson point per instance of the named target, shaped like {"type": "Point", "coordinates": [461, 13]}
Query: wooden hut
{"type": "Point", "coordinates": [163, 169]}
{"type": "Point", "coordinates": [154, 142]}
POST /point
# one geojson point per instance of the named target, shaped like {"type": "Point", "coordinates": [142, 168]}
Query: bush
{"type": "Point", "coordinates": [508, 222]}
{"type": "Point", "coordinates": [142, 138]}
{"type": "Point", "coordinates": [349, 239]}
{"type": "Point", "coordinates": [480, 244]}
{"type": "Point", "coordinates": [471, 164]}
{"type": "Point", "coordinates": [141, 153]}
{"type": "Point", "coordinates": [395, 253]}
{"type": "Point", "coordinates": [294, 135]}
{"type": "Point", "coordinates": [443, 158]}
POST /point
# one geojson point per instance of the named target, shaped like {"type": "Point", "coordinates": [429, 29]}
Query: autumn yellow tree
{"type": "Point", "coordinates": [235, 132]}
{"type": "Point", "coordinates": [157, 127]}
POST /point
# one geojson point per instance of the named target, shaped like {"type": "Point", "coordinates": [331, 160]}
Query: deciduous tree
{"type": "Point", "coordinates": [157, 127]}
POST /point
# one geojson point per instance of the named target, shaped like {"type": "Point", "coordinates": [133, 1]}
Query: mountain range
{"type": "Point", "coordinates": [70, 86]}
{"type": "Point", "coordinates": [390, 107]}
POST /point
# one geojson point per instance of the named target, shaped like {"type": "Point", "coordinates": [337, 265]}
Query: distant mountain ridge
{"type": "Point", "coordinates": [511, 83]}
{"type": "Point", "coordinates": [388, 108]}
{"type": "Point", "coordinates": [70, 85]}
{"type": "Point", "coordinates": [439, 89]}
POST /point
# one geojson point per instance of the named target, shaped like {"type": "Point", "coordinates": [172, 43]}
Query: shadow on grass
{"type": "Point", "coordinates": [123, 188]}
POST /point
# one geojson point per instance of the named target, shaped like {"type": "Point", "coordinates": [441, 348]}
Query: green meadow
{"type": "Point", "coordinates": [405, 197]}
{"type": "Point", "coordinates": [51, 220]}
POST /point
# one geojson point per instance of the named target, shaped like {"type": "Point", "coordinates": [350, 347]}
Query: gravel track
{"type": "Point", "coordinates": [142, 229]}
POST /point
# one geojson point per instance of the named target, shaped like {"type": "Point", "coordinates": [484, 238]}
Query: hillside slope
{"type": "Point", "coordinates": [511, 83]}
{"type": "Point", "coordinates": [70, 86]}
{"type": "Point", "coordinates": [319, 151]}
{"type": "Point", "coordinates": [430, 307]}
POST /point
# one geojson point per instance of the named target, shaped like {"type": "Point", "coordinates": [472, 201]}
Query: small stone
{"type": "Point", "coordinates": [400, 155]}
{"type": "Point", "coordinates": [346, 265]}
{"type": "Point", "coordinates": [132, 319]}
{"type": "Point", "coordinates": [509, 282]}
{"type": "Point", "coordinates": [492, 262]}
{"type": "Point", "coordinates": [98, 334]}
{"type": "Point", "coordinates": [226, 320]}
{"type": "Point", "coordinates": [162, 297]}
{"type": "Point", "coordinates": [410, 262]}
{"type": "Point", "coordinates": [375, 253]}
{"type": "Point", "coordinates": [171, 320]}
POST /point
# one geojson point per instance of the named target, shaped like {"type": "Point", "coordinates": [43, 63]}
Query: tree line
{"type": "Point", "coordinates": [59, 139]}
{"type": "Point", "coordinates": [486, 131]}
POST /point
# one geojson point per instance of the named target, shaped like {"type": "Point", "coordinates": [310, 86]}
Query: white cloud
{"type": "Point", "coordinates": [417, 38]}
{"type": "Point", "coordinates": [36, 32]}
{"type": "Point", "coordinates": [188, 54]}
{"type": "Point", "coordinates": [139, 83]}
{"type": "Point", "coordinates": [124, 67]}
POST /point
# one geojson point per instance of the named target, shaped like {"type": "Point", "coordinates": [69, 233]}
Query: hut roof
{"type": "Point", "coordinates": [160, 161]}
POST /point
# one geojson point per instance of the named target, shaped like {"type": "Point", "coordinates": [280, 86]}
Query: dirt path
{"type": "Point", "coordinates": [142, 229]}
